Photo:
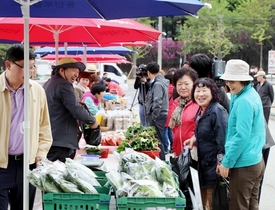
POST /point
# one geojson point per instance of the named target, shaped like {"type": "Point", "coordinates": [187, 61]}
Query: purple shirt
{"type": "Point", "coordinates": [16, 140]}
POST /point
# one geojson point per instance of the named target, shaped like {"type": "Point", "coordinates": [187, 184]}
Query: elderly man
{"type": "Point", "coordinates": [266, 92]}
{"type": "Point", "coordinates": [65, 109]}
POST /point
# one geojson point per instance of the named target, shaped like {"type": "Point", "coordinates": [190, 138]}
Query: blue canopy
{"type": "Point", "coordinates": [89, 50]}
{"type": "Point", "coordinates": [107, 9]}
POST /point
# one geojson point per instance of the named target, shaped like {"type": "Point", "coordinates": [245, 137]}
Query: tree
{"type": "Point", "coordinates": [232, 5]}
{"type": "Point", "coordinates": [3, 50]}
{"type": "Point", "coordinates": [260, 36]}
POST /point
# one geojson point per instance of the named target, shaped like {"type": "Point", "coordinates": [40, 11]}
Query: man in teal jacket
{"type": "Point", "coordinates": [245, 138]}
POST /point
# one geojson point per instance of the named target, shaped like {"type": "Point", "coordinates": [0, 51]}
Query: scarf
{"type": "Point", "coordinates": [176, 115]}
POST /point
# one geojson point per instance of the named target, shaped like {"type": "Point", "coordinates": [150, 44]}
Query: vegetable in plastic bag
{"type": "Point", "coordinates": [144, 188]}
{"type": "Point", "coordinates": [82, 185]}
{"type": "Point", "coordinates": [69, 187]}
{"type": "Point", "coordinates": [115, 179]}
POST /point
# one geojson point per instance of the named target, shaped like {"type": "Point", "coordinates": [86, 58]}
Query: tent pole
{"type": "Point", "coordinates": [56, 40]}
{"type": "Point", "coordinates": [65, 49]}
{"type": "Point", "coordinates": [26, 123]}
{"type": "Point", "coordinates": [160, 43]}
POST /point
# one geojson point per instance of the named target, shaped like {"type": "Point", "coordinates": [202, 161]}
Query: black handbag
{"type": "Point", "coordinates": [220, 196]}
{"type": "Point", "coordinates": [181, 165]}
{"type": "Point", "coordinates": [92, 136]}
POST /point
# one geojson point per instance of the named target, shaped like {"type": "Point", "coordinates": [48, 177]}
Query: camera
{"type": "Point", "coordinates": [141, 71]}
{"type": "Point", "coordinates": [218, 69]}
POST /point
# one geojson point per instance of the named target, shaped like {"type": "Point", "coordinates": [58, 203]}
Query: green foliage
{"type": "Point", "coordinates": [139, 138]}
{"type": "Point", "coordinates": [3, 50]}
{"type": "Point", "coordinates": [232, 5]}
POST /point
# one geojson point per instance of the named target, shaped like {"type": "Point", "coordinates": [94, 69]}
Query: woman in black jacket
{"type": "Point", "coordinates": [210, 135]}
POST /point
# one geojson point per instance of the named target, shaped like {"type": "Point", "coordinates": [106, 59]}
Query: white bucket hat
{"type": "Point", "coordinates": [236, 70]}
{"type": "Point", "coordinates": [91, 68]}
{"type": "Point", "coordinates": [260, 73]}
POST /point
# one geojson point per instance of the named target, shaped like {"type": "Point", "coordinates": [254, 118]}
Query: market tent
{"type": "Point", "coordinates": [94, 58]}
{"type": "Point", "coordinates": [84, 9]}
{"type": "Point", "coordinates": [81, 50]}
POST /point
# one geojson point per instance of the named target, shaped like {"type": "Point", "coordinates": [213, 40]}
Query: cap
{"type": "Point", "coordinates": [69, 63]}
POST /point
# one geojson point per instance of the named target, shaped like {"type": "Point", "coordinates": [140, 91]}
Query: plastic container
{"type": "Point", "coordinates": [151, 153]}
{"type": "Point", "coordinates": [100, 174]}
{"type": "Point", "coordinates": [90, 157]}
{"type": "Point", "coordinates": [105, 153]}
{"type": "Point", "coordinates": [70, 201]}
{"type": "Point", "coordinates": [99, 119]}
{"type": "Point", "coordinates": [143, 203]}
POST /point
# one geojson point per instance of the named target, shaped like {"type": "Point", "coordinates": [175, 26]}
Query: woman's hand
{"type": "Point", "coordinates": [190, 142]}
{"type": "Point", "coordinates": [223, 171]}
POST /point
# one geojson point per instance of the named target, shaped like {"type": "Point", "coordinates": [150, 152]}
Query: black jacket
{"type": "Point", "coordinates": [210, 134]}
{"type": "Point", "coordinates": [142, 88]}
{"type": "Point", "coordinates": [64, 109]}
{"type": "Point", "coordinates": [266, 93]}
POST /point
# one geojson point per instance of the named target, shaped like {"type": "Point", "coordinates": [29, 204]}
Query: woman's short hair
{"type": "Point", "coordinates": [98, 88]}
{"type": "Point", "coordinates": [209, 83]}
{"type": "Point", "coordinates": [84, 75]}
{"type": "Point", "coordinates": [95, 78]}
{"type": "Point", "coordinates": [184, 71]}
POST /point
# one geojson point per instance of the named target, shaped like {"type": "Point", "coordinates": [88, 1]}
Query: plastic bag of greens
{"type": "Point", "coordinates": [144, 188]}
{"type": "Point", "coordinates": [169, 191]}
{"type": "Point", "coordinates": [69, 187]}
{"type": "Point", "coordinates": [83, 172]}
{"type": "Point", "coordinates": [82, 185]}
{"type": "Point", "coordinates": [143, 170]}
{"type": "Point", "coordinates": [55, 176]}
{"type": "Point", "coordinates": [131, 156]}
{"type": "Point", "coordinates": [36, 178]}
{"type": "Point", "coordinates": [164, 174]}
{"type": "Point", "coordinates": [77, 173]}
{"type": "Point", "coordinates": [115, 179]}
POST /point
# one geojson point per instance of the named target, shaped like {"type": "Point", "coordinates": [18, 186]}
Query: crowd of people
{"type": "Point", "coordinates": [228, 136]}
{"type": "Point", "coordinates": [224, 125]}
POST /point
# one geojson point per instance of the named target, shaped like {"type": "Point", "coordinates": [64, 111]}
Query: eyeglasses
{"type": "Point", "coordinates": [230, 82]}
{"type": "Point", "coordinates": [22, 67]}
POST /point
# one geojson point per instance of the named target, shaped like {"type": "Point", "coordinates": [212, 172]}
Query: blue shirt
{"type": "Point", "coordinates": [245, 136]}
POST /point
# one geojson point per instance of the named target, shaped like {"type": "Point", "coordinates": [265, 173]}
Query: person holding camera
{"type": "Point", "coordinates": [142, 83]}
{"type": "Point", "coordinates": [202, 64]}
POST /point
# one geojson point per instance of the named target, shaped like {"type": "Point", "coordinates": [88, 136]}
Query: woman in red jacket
{"type": "Point", "coordinates": [182, 120]}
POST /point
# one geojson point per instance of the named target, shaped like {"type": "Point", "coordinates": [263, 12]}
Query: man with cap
{"type": "Point", "coordinates": [92, 69]}
{"type": "Point", "coordinates": [64, 109]}
{"type": "Point", "coordinates": [266, 92]}
{"type": "Point", "coordinates": [245, 138]}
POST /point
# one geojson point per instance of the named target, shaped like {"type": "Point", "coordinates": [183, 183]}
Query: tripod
{"type": "Point", "coordinates": [142, 99]}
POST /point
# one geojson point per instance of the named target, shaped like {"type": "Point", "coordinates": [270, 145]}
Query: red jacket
{"type": "Point", "coordinates": [187, 128]}
{"type": "Point", "coordinates": [171, 105]}
{"type": "Point", "coordinates": [115, 86]}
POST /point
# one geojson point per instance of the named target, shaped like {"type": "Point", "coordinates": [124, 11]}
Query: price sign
{"type": "Point", "coordinates": [271, 62]}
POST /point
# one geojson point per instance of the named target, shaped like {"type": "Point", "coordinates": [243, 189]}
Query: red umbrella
{"type": "Point", "coordinates": [71, 30]}
{"type": "Point", "coordinates": [93, 58]}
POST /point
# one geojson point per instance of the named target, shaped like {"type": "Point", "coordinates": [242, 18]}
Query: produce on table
{"type": "Point", "coordinates": [93, 150]}
{"type": "Point", "coordinates": [138, 176]}
{"type": "Point", "coordinates": [140, 138]}
{"type": "Point", "coordinates": [57, 177]}
{"type": "Point", "coordinates": [112, 138]}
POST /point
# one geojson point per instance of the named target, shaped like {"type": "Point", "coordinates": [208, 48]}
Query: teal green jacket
{"type": "Point", "coordinates": [245, 136]}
